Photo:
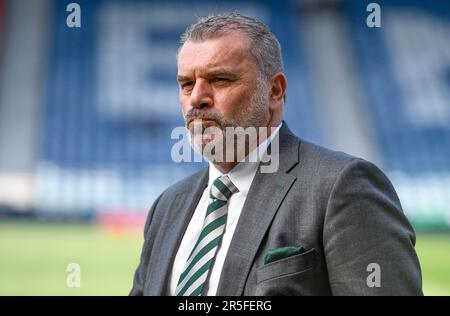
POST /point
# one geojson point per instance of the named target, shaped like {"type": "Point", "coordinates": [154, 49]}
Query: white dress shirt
{"type": "Point", "coordinates": [242, 177]}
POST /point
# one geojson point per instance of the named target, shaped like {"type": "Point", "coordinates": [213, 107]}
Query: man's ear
{"type": "Point", "coordinates": [278, 84]}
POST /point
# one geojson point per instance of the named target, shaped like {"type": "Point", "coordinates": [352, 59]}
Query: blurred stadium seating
{"type": "Point", "coordinates": [111, 102]}
{"type": "Point", "coordinates": [406, 71]}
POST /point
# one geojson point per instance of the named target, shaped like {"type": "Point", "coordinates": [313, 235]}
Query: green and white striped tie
{"type": "Point", "coordinates": [194, 277]}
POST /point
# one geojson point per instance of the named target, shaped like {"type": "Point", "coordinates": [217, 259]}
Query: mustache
{"type": "Point", "coordinates": [196, 114]}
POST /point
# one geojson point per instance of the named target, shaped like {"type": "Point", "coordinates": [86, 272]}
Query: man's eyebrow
{"type": "Point", "coordinates": [183, 78]}
{"type": "Point", "coordinates": [223, 72]}
{"type": "Point", "coordinates": [232, 74]}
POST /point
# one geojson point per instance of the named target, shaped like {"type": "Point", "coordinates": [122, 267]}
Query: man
{"type": "Point", "coordinates": [323, 223]}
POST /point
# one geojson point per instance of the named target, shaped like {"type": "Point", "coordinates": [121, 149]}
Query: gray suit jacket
{"type": "Point", "coordinates": [342, 210]}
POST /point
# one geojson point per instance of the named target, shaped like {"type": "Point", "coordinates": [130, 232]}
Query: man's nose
{"type": "Point", "coordinates": [201, 95]}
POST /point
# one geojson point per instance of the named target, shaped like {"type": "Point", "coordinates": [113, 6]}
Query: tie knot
{"type": "Point", "coordinates": [222, 188]}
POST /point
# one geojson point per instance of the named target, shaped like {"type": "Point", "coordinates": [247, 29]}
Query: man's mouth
{"type": "Point", "coordinates": [204, 123]}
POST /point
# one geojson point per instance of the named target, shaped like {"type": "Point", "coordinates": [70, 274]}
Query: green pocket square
{"type": "Point", "coordinates": [280, 253]}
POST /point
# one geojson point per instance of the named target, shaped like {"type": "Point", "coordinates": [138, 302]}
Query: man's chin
{"type": "Point", "coordinates": [203, 140]}
{"type": "Point", "coordinates": [207, 147]}
{"type": "Point", "coordinates": [199, 143]}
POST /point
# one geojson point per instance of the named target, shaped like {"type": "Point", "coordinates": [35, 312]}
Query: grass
{"type": "Point", "coordinates": [434, 256]}
{"type": "Point", "coordinates": [34, 258]}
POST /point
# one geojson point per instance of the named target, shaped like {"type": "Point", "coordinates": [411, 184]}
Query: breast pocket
{"type": "Point", "coordinates": [288, 276]}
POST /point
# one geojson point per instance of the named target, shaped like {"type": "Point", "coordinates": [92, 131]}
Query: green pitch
{"type": "Point", "coordinates": [34, 258]}
{"type": "Point", "coordinates": [434, 255]}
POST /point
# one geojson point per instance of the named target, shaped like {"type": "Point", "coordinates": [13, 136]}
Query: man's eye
{"type": "Point", "coordinates": [219, 80]}
{"type": "Point", "coordinates": [186, 85]}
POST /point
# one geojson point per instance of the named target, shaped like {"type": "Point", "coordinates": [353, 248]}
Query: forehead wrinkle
{"type": "Point", "coordinates": [204, 57]}
{"type": "Point", "coordinates": [215, 67]}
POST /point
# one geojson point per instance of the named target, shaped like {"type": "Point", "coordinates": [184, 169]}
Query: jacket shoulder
{"type": "Point", "coordinates": [317, 158]}
{"type": "Point", "coordinates": [186, 184]}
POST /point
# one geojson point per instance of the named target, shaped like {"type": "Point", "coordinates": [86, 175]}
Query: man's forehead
{"type": "Point", "coordinates": [222, 52]}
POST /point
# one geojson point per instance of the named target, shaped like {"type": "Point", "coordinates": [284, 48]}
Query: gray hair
{"type": "Point", "coordinates": [264, 47]}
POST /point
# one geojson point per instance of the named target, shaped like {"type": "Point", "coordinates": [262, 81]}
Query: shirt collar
{"type": "Point", "coordinates": [243, 173]}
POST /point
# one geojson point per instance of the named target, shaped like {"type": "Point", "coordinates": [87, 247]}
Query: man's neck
{"type": "Point", "coordinates": [225, 167]}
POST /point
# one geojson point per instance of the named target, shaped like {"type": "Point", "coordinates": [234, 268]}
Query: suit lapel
{"type": "Point", "coordinates": [263, 200]}
{"type": "Point", "coordinates": [174, 227]}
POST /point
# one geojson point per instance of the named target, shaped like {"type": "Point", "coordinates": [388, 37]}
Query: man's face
{"type": "Point", "coordinates": [219, 85]}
